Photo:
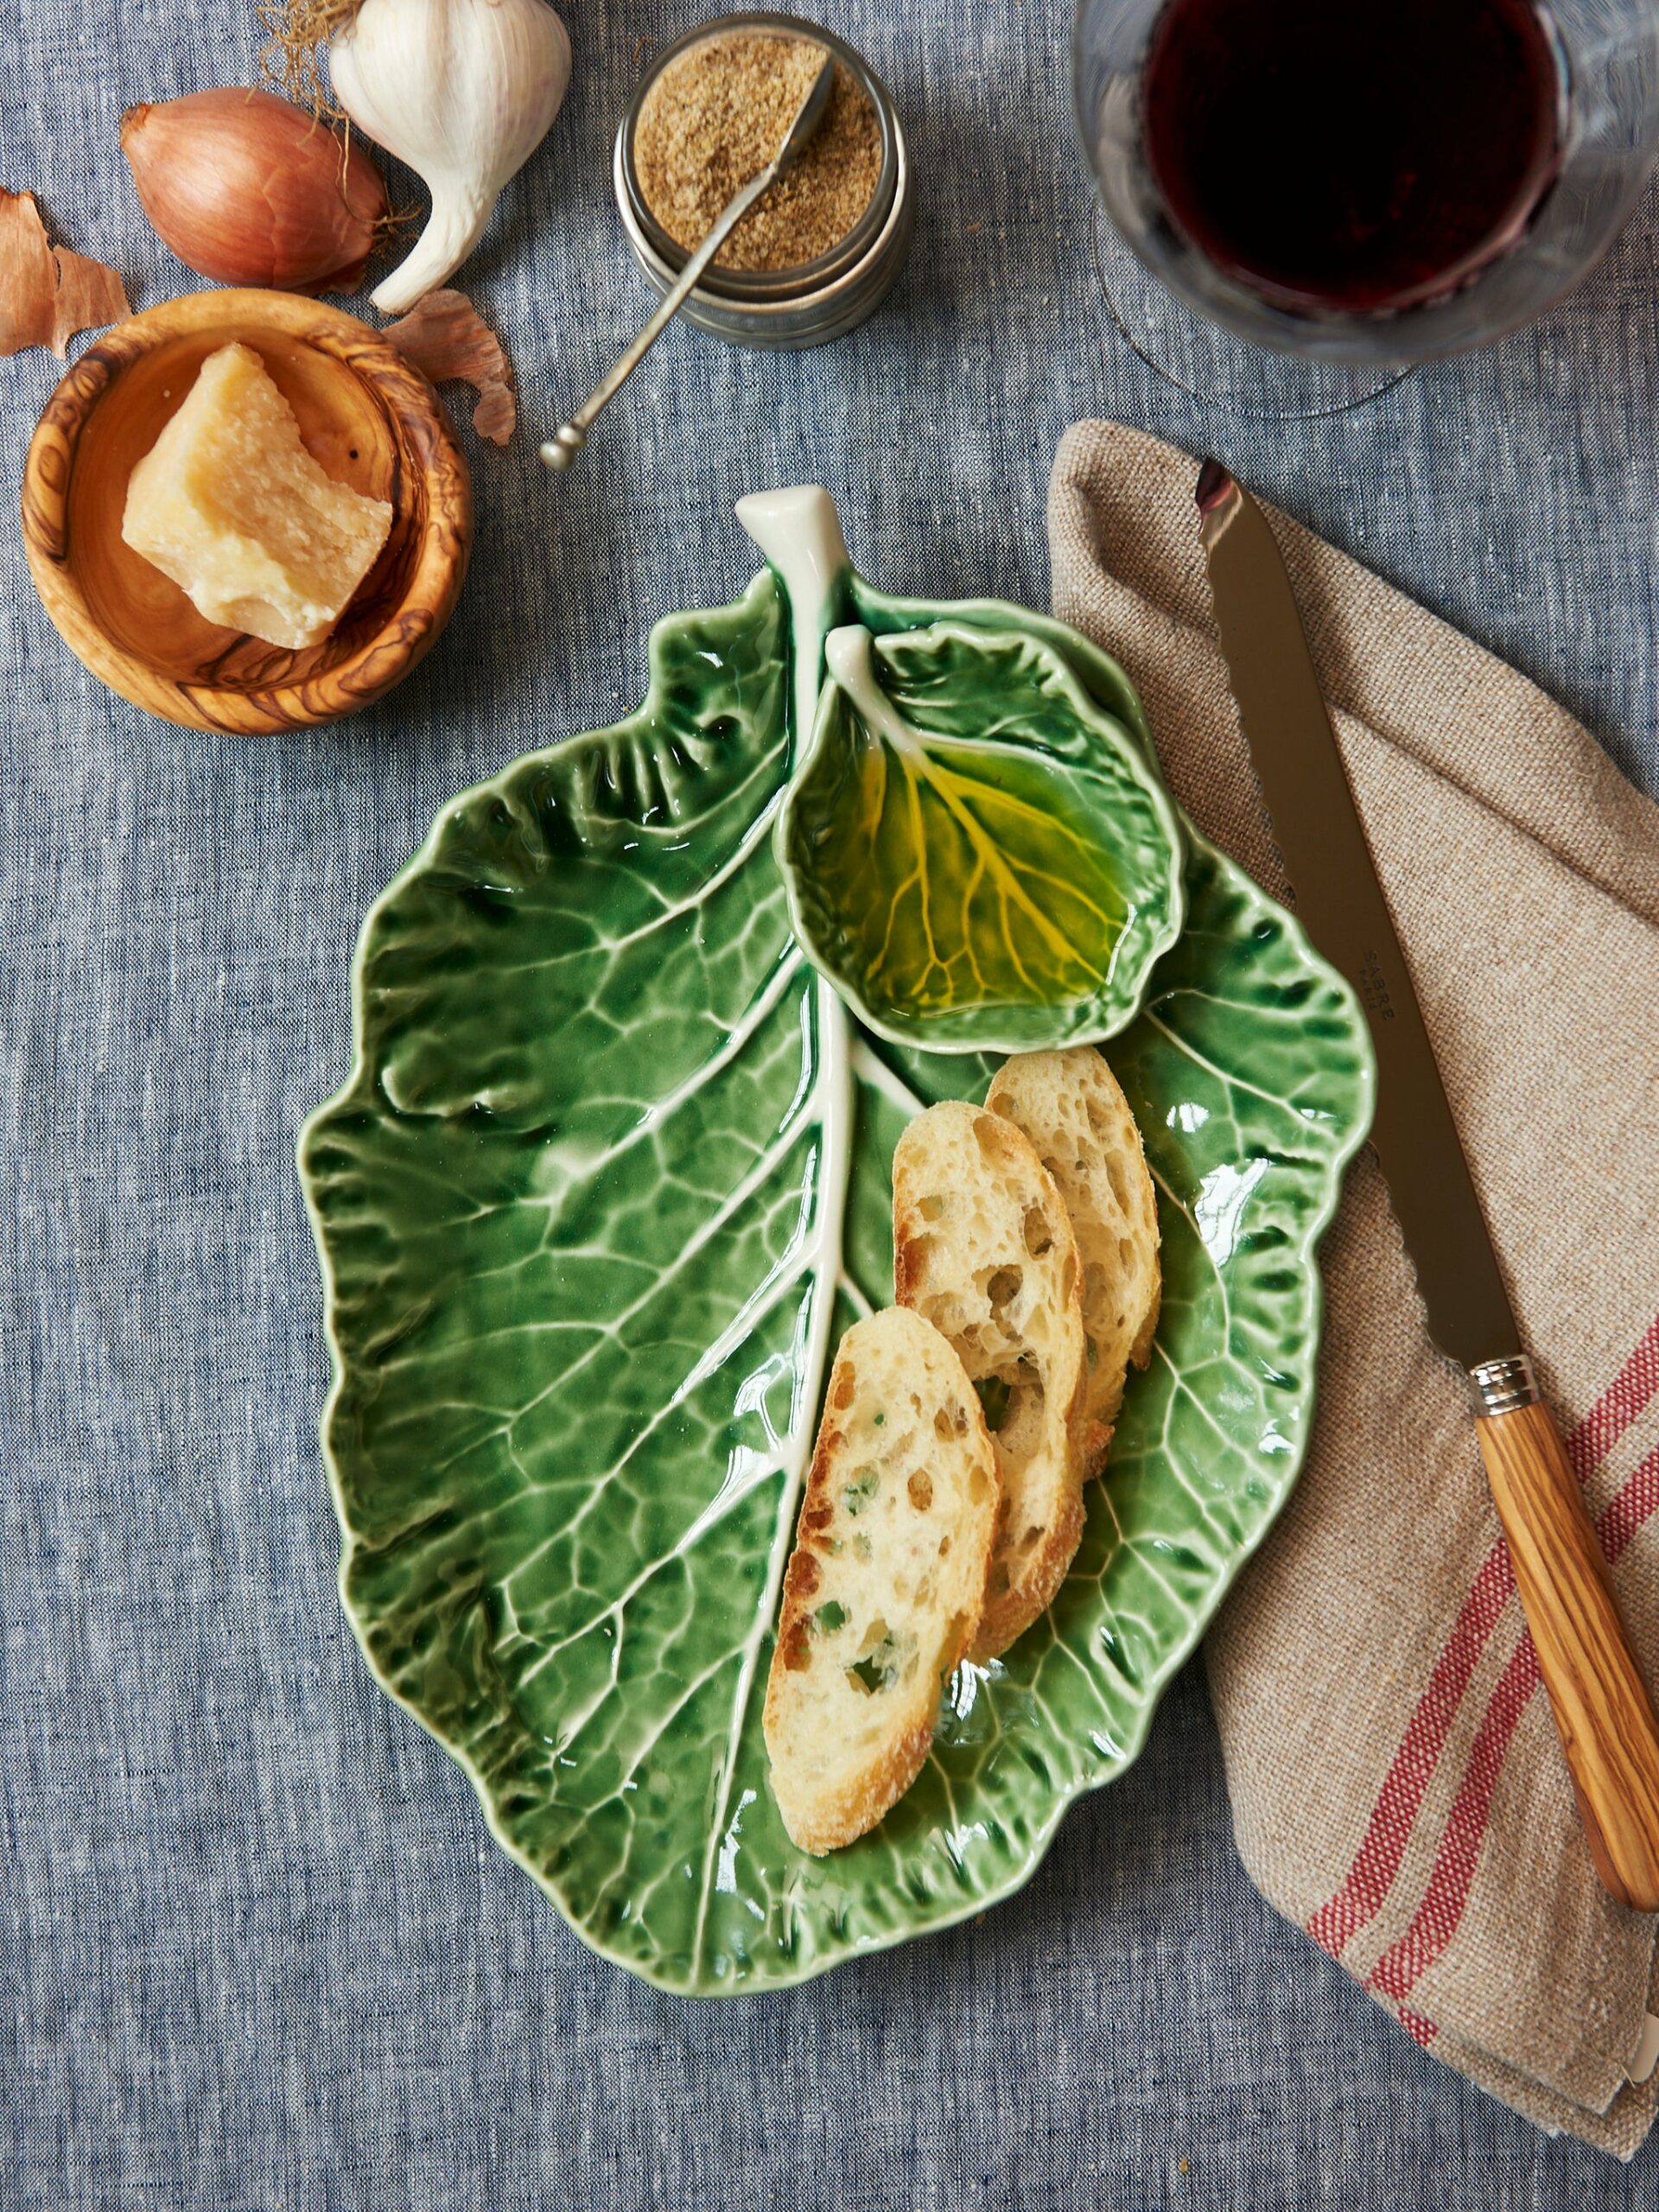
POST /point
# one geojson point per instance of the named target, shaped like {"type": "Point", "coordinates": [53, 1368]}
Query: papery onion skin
{"type": "Point", "coordinates": [246, 188]}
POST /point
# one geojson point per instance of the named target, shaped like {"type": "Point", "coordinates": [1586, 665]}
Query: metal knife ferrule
{"type": "Point", "coordinates": [1503, 1386]}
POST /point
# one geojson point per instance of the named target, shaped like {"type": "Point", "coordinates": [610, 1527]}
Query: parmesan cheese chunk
{"type": "Point", "coordinates": [230, 505]}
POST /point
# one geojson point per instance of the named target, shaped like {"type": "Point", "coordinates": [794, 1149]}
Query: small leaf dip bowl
{"type": "Point", "coordinates": [366, 415]}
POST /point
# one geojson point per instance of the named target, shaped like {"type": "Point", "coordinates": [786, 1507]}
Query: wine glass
{"type": "Point", "coordinates": [1217, 206]}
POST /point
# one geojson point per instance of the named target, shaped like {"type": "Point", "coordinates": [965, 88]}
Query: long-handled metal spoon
{"type": "Point", "coordinates": [562, 449]}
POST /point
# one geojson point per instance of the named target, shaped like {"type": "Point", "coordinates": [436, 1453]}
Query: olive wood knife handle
{"type": "Point", "coordinates": [1596, 1692]}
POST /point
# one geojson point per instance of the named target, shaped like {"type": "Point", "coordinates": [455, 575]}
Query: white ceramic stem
{"type": "Point", "coordinates": [849, 656]}
{"type": "Point", "coordinates": [799, 532]}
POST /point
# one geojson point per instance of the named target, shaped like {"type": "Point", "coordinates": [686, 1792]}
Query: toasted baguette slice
{"type": "Point", "coordinates": [983, 1249]}
{"type": "Point", "coordinates": [1071, 1108]}
{"type": "Point", "coordinates": [886, 1582]}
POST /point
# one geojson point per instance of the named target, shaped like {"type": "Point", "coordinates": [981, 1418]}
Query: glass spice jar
{"type": "Point", "coordinates": [809, 302]}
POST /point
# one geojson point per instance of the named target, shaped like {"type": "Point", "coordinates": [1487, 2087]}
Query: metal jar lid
{"type": "Point", "coordinates": [782, 308]}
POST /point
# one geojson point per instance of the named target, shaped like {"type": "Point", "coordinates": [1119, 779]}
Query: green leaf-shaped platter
{"type": "Point", "coordinates": [609, 1178]}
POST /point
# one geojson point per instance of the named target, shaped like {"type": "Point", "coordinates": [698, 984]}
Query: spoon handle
{"type": "Point", "coordinates": [562, 449]}
{"type": "Point", "coordinates": [569, 438]}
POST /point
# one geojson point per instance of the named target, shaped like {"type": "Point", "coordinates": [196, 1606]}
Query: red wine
{"type": "Point", "coordinates": [1360, 154]}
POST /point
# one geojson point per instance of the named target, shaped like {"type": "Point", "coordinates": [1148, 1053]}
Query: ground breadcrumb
{"type": "Point", "coordinates": [716, 115]}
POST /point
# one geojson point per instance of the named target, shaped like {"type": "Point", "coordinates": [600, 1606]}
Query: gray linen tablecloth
{"type": "Point", "coordinates": [256, 1948]}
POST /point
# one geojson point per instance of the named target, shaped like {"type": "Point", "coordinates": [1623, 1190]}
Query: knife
{"type": "Point", "coordinates": [1602, 1709]}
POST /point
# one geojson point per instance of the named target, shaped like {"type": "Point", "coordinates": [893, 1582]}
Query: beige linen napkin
{"type": "Point", "coordinates": [1398, 1786]}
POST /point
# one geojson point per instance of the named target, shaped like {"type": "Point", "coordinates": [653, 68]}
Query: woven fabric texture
{"type": "Point", "coordinates": [256, 1950]}
{"type": "Point", "coordinates": [1397, 1785]}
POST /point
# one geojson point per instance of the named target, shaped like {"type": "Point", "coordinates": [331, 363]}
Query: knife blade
{"type": "Point", "coordinates": [1602, 1709]}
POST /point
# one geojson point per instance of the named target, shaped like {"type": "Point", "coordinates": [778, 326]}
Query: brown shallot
{"type": "Point", "coordinates": [448, 341]}
{"type": "Point", "coordinates": [247, 188]}
{"type": "Point", "coordinates": [46, 293]}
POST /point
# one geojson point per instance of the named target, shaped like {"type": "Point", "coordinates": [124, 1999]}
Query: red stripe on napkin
{"type": "Point", "coordinates": [1635, 1503]}
{"type": "Point", "coordinates": [1435, 1921]}
{"type": "Point", "coordinates": [1628, 1395]}
{"type": "Point", "coordinates": [1372, 1874]}
{"type": "Point", "coordinates": [1388, 1831]}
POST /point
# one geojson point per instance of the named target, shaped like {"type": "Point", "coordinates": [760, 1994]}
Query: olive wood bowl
{"type": "Point", "coordinates": [366, 413]}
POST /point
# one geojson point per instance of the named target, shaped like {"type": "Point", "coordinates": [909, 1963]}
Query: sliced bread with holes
{"type": "Point", "coordinates": [983, 1249]}
{"type": "Point", "coordinates": [1071, 1105]}
{"type": "Point", "coordinates": [887, 1579]}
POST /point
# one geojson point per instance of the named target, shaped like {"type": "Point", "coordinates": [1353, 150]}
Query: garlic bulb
{"type": "Point", "coordinates": [464, 90]}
